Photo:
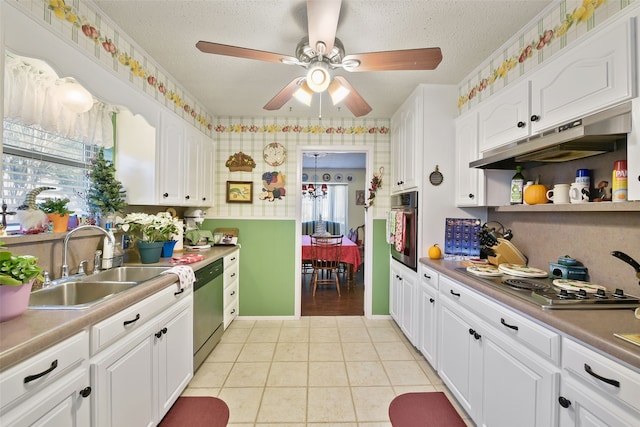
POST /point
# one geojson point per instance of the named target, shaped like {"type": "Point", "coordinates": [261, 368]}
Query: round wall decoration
{"type": "Point", "coordinates": [436, 178]}
{"type": "Point", "coordinates": [338, 177]}
{"type": "Point", "coordinates": [326, 177]}
{"type": "Point", "coordinates": [274, 154]}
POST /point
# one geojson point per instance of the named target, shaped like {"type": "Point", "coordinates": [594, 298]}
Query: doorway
{"type": "Point", "coordinates": [358, 299]}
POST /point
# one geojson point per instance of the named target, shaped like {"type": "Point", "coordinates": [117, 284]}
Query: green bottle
{"type": "Point", "coordinates": [517, 184]}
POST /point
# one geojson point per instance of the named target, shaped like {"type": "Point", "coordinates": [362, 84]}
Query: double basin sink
{"type": "Point", "coordinates": [81, 292]}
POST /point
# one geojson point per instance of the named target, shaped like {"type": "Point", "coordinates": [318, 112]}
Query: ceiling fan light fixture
{"type": "Point", "coordinates": [318, 77]}
{"type": "Point", "coordinates": [304, 94]}
{"type": "Point", "coordinates": [337, 91]}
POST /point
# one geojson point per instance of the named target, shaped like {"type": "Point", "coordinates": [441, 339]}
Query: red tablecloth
{"type": "Point", "coordinates": [349, 255]}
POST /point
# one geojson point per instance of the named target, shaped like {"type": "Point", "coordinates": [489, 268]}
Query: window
{"type": "Point", "coordinates": [333, 207]}
{"type": "Point", "coordinates": [33, 158]}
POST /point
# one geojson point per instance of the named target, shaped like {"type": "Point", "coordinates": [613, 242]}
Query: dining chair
{"type": "Point", "coordinates": [325, 258]}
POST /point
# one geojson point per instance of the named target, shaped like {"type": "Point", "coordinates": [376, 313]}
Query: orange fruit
{"type": "Point", "coordinates": [435, 252]}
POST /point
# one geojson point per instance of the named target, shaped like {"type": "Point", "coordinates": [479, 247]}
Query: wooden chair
{"type": "Point", "coordinates": [325, 258]}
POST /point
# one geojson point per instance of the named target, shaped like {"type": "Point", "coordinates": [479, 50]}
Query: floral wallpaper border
{"type": "Point", "coordinates": [314, 129]}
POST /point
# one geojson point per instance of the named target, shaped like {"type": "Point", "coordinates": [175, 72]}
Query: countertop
{"type": "Point", "coordinates": [593, 328]}
{"type": "Point", "coordinates": [35, 330]}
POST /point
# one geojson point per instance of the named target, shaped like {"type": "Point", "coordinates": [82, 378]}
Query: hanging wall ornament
{"type": "Point", "coordinates": [376, 182]}
{"type": "Point", "coordinates": [272, 186]}
{"type": "Point", "coordinates": [240, 162]}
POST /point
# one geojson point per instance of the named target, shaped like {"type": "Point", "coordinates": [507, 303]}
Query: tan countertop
{"type": "Point", "coordinates": [594, 328]}
{"type": "Point", "coordinates": [35, 330]}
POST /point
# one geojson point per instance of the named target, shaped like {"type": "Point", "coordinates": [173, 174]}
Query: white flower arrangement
{"type": "Point", "coordinates": [150, 228]}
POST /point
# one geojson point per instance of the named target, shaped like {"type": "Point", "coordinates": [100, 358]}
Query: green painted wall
{"type": "Point", "coordinates": [267, 267]}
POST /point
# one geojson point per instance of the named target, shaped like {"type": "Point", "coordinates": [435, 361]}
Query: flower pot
{"type": "Point", "coordinates": [14, 300]}
{"type": "Point", "coordinates": [149, 251]}
{"type": "Point", "coordinates": [60, 222]}
{"type": "Point", "coordinates": [167, 248]}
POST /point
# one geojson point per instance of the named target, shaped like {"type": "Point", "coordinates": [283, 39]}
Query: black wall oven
{"type": "Point", "coordinates": [404, 208]}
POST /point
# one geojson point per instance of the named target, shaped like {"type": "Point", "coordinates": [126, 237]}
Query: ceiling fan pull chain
{"type": "Point", "coordinates": [320, 112]}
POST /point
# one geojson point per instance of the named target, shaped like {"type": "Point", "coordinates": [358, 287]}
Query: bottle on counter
{"type": "Point", "coordinates": [619, 181]}
{"type": "Point", "coordinates": [517, 186]}
{"type": "Point", "coordinates": [107, 249]}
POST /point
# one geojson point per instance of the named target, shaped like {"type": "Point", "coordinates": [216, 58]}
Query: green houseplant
{"type": "Point", "coordinates": [17, 273]}
{"type": "Point", "coordinates": [106, 196]}
{"type": "Point", "coordinates": [150, 232]}
{"type": "Point", "coordinates": [56, 210]}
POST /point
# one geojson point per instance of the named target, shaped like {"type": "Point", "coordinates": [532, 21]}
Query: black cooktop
{"type": "Point", "coordinates": [542, 292]}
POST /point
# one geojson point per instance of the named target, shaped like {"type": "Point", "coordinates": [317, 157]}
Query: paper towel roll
{"type": "Point", "coordinates": [179, 236]}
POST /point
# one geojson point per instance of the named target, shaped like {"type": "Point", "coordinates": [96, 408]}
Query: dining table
{"type": "Point", "coordinates": [349, 255]}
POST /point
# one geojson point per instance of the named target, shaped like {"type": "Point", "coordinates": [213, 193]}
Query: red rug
{"type": "Point", "coordinates": [423, 410]}
{"type": "Point", "coordinates": [197, 411]}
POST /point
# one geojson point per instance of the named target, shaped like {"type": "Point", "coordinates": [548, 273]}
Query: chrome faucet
{"type": "Point", "coordinates": [65, 267]}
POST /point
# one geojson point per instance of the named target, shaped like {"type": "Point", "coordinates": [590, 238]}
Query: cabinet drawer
{"type": "Point", "coordinates": [603, 374]}
{"type": "Point", "coordinates": [130, 319]}
{"type": "Point", "coordinates": [230, 312]}
{"type": "Point", "coordinates": [231, 293]}
{"type": "Point", "coordinates": [429, 277]}
{"type": "Point", "coordinates": [39, 371]}
{"type": "Point", "coordinates": [526, 332]}
{"type": "Point", "coordinates": [230, 275]}
{"type": "Point", "coordinates": [231, 260]}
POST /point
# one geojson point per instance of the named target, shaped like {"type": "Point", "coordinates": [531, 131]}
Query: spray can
{"type": "Point", "coordinates": [619, 180]}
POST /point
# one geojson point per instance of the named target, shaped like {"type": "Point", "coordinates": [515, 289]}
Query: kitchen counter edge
{"type": "Point", "coordinates": [36, 330]}
{"type": "Point", "coordinates": [590, 327]}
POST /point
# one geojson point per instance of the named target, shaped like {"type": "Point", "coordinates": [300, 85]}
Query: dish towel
{"type": "Point", "coordinates": [187, 259]}
{"type": "Point", "coordinates": [391, 227]}
{"type": "Point", "coordinates": [399, 240]}
{"type": "Point", "coordinates": [185, 274]}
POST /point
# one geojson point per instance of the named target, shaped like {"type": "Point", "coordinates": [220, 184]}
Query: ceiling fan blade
{"type": "Point", "coordinates": [284, 95]}
{"type": "Point", "coordinates": [354, 102]}
{"type": "Point", "coordinates": [410, 59]}
{"type": "Point", "coordinates": [241, 52]}
{"type": "Point", "coordinates": [322, 18]}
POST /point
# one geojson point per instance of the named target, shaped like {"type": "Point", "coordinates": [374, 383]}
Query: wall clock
{"type": "Point", "coordinates": [274, 154]}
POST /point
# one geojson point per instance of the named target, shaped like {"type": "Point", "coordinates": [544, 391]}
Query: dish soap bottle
{"type": "Point", "coordinates": [517, 184]}
{"type": "Point", "coordinates": [107, 250]}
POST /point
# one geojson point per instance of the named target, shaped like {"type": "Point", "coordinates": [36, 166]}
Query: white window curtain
{"type": "Point", "coordinates": [30, 99]}
{"type": "Point", "coordinates": [333, 207]}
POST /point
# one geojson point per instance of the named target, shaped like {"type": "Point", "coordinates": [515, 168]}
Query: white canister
{"type": "Point", "coordinates": [524, 189]}
{"type": "Point", "coordinates": [179, 236]}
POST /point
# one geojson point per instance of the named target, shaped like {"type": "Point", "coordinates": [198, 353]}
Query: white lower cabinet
{"type": "Point", "coordinates": [428, 315]}
{"type": "Point", "coordinates": [137, 379]}
{"type": "Point", "coordinates": [50, 389]}
{"type": "Point", "coordinates": [403, 295]}
{"type": "Point", "coordinates": [498, 381]}
{"type": "Point", "coordinates": [231, 283]}
{"type": "Point", "coordinates": [596, 391]}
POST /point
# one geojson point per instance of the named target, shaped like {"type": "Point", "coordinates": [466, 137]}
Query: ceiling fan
{"type": "Point", "coordinates": [321, 52]}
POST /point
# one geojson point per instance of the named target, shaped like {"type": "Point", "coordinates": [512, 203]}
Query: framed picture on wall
{"type": "Point", "coordinates": [239, 192]}
{"type": "Point", "coordinates": [360, 197]}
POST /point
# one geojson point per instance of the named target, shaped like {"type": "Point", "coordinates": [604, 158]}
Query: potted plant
{"type": "Point", "coordinates": [106, 196]}
{"type": "Point", "coordinates": [17, 274]}
{"type": "Point", "coordinates": [56, 210]}
{"type": "Point", "coordinates": [150, 232]}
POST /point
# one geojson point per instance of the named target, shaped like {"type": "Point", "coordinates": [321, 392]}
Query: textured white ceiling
{"type": "Point", "coordinates": [466, 31]}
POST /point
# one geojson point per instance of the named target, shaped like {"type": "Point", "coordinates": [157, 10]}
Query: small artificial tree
{"type": "Point", "coordinates": [106, 194]}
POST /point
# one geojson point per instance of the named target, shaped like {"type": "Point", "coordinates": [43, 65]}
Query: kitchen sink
{"type": "Point", "coordinates": [76, 294]}
{"type": "Point", "coordinates": [125, 274]}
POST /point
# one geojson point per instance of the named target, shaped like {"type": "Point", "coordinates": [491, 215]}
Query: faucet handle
{"type": "Point", "coordinates": [46, 279]}
{"type": "Point", "coordinates": [97, 261]}
{"type": "Point", "coordinates": [82, 267]}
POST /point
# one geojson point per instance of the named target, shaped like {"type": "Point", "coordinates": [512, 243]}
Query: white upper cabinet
{"type": "Point", "coordinates": [505, 118]}
{"type": "Point", "coordinates": [470, 186]}
{"type": "Point", "coordinates": [172, 171]}
{"type": "Point", "coordinates": [406, 140]}
{"type": "Point", "coordinates": [593, 75]}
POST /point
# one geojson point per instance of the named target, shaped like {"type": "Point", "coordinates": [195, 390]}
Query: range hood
{"type": "Point", "coordinates": [589, 136]}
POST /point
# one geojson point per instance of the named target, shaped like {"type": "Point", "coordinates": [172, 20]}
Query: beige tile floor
{"type": "Point", "coordinates": [316, 371]}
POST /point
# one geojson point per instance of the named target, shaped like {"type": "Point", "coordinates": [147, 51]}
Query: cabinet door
{"type": "Point", "coordinates": [175, 358]}
{"type": "Point", "coordinates": [409, 154]}
{"type": "Point", "coordinates": [397, 141]}
{"type": "Point", "coordinates": [192, 167]}
{"type": "Point", "coordinates": [428, 323]}
{"type": "Point", "coordinates": [125, 384]}
{"type": "Point", "coordinates": [171, 160]}
{"type": "Point", "coordinates": [591, 76]}
{"type": "Point", "coordinates": [395, 294]}
{"type": "Point", "coordinates": [633, 153]}
{"type": "Point", "coordinates": [504, 118]}
{"type": "Point", "coordinates": [408, 311]}
{"type": "Point", "coordinates": [469, 181]}
{"type": "Point", "coordinates": [516, 389]}
{"type": "Point", "coordinates": [455, 347]}
{"type": "Point", "coordinates": [207, 173]}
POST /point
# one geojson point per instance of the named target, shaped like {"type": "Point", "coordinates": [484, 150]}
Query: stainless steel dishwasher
{"type": "Point", "coordinates": [208, 311]}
